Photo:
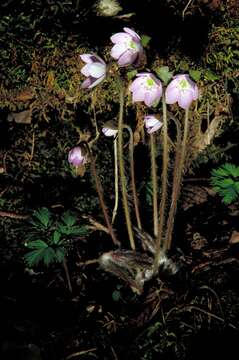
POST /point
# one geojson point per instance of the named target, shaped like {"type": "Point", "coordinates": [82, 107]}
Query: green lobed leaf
{"type": "Point", "coordinates": [37, 244]}
{"type": "Point", "coordinates": [145, 39]}
{"type": "Point", "coordinates": [116, 295]}
{"type": "Point", "coordinates": [74, 230]}
{"type": "Point", "coordinates": [229, 197]}
{"type": "Point", "coordinates": [79, 230]}
{"type": "Point", "coordinates": [43, 216]}
{"type": "Point", "coordinates": [33, 258]}
{"type": "Point", "coordinates": [68, 218]}
{"type": "Point", "coordinates": [195, 74]}
{"type": "Point", "coordinates": [232, 170]}
{"type": "Point", "coordinates": [210, 75]}
{"type": "Point", "coordinates": [56, 237]}
{"type": "Point", "coordinates": [48, 256]}
{"type": "Point", "coordinates": [131, 74]}
{"type": "Point", "coordinates": [60, 254]}
{"type": "Point", "coordinates": [164, 74]}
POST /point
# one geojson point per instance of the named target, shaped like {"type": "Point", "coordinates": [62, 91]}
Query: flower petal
{"type": "Point", "coordinates": [109, 132]}
{"type": "Point", "coordinates": [96, 70]}
{"type": "Point", "coordinates": [138, 95]}
{"type": "Point", "coordinates": [150, 121]}
{"type": "Point", "coordinates": [120, 37]}
{"type": "Point", "coordinates": [75, 156]}
{"type": "Point", "coordinates": [149, 98]}
{"type": "Point", "coordinates": [195, 92]}
{"type": "Point", "coordinates": [87, 58]}
{"type": "Point", "coordinates": [96, 81]}
{"type": "Point", "coordinates": [185, 99]}
{"type": "Point", "coordinates": [127, 58]}
{"type": "Point", "coordinates": [153, 96]}
{"type": "Point", "coordinates": [154, 128]}
{"type": "Point", "coordinates": [146, 74]}
{"type": "Point", "coordinates": [172, 94]}
{"type": "Point", "coordinates": [87, 82]}
{"type": "Point", "coordinates": [85, 70]}
{"type": "Point", "coordinates": [133, 34]}
{"type": "Point", "coordinates": [117, 50]}
{"type": "Point", "coordinates": [136, 83]}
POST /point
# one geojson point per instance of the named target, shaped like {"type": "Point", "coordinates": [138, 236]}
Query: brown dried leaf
{"type": "Point", "coordinates": [50, 81]}
{"type": "Point", "coordinates": [206, 138]}
{"type": "Point", "coordinates": [234, 239]}
{"type": "Point", "coordinates": [194, 195]}
{"type": "Point", "coordinates": [198, 242]}
{"type": "Point", "coordinates": [139, 133]}
{"type": "Point", "coordinates": [25, 95]}
{"type": "Point", "coordinates": [80, 171]}
{"type": "Point", "coordinates": [23, 117]}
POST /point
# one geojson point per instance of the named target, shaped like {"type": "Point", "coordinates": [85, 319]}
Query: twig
{"type": "Point", "coordinates": [13, 215]}
{"type": "Point", "coordinates": [79, 353]}
{"type": "Point", "coordinates": [186, 7]}
{"type": "Point", "coordinates": [87, 262]}
{"type": "Point", "coordinates": [67, 275]}
{"type": "Point", "coordinates": [32, 149]}
{"type": "Point", "coordinates": [208, 313]}
{"type": "Point", "coordinates": [114, 353]}
{"type": "Point", "coordinates": [97, 226]}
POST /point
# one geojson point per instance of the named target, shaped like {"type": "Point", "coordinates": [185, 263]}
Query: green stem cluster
{"type": "Point", "coordinates": [121, 167]}
{"type": "Point", "coordinates": [132, 173]}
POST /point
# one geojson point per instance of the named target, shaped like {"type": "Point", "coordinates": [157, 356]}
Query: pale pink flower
{"type": "Point", "coordinates": [181, 90]}
{"type": "Point", "coordinates": [94, 70]}
{"type": "Point", "coordinates": [146, 88]}
{"type": "Point", "coordinates": [127, 49]}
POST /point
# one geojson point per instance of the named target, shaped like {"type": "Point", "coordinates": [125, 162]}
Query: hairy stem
{"type": "Point", "coordinates": [116, 180]}
{"type": "Point", "coordinates": [133, 183]}
{"type": "Point", "coordinates": [94, 120]}
{"type": "Point", "coordinates": [173, 205]}
{"type": "Point", "coordinates": [177, 180]}
{"type": "Point", "coordinates": [100, 193]}
{"type": "Point", "coordinates": [164, 185]}
{"type": "Point", "coordinates": [121, 167]}
{"type": "Point", "coordinates": [67, 275]}
{"type": "Point", "coordinates": [154, 184]}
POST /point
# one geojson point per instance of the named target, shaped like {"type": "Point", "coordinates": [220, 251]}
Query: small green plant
{"type": "Point", "coordinates": [225, 181]}
{"type": "Point", "coordinates": [48, 238]}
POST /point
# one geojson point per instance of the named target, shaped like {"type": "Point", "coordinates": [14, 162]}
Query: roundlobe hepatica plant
{"type": "Point", "coordinates": [139, 265]}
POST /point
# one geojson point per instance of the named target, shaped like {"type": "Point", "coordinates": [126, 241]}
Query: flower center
{"type": "Point", "coordinates": [132, 45]}
{"type": "Point", "coordinates": [183, 84]}
{"type": "Point", "coordinates": [150, 83]}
